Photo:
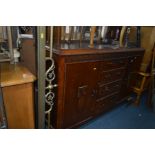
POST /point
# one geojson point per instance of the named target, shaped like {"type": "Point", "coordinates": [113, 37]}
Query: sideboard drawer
{"type": "Point", "coordinates": [103, 104]}
{"type": "Point", "coordinates": [107, 89]}
{"type": "Point", "coordinates": [112, 64]}
{"type": "Point", "coordinates": [113, 75]}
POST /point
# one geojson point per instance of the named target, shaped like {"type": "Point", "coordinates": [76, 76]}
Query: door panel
{"type": "Point", "coordinates": [133, 65]}
{"type": "Point", "coordinates": [80, 83]}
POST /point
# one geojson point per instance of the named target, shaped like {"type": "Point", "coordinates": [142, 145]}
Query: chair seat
{"type": "Point", "coordinates": [142, 86]}
{"type": "Point", "coordinates": [138, 90]}
{"type": "Point", "coordinates": [144, 74]}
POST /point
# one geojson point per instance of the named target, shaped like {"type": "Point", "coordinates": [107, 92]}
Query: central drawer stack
{"type": "Point", "coordinates": [90, 83]}
{"type": "Point", "coordinates": [111, 75]}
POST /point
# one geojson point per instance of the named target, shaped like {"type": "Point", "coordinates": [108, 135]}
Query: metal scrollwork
{"type": "Point", "coordinates": [25, 29]}
{"type": "Point", "coordinates": [49, 95]}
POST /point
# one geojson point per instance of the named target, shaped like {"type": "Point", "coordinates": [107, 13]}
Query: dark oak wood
{"type": "Point", "coordinates": [57, 35]}
{"type": "Point", "coordinates": [28, 55]}
{"type": "Point", "coordinates": [91, 82]}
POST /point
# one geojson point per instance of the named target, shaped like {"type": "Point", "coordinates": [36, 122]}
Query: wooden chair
{"type": "Point", "coordinates": [92, 34]}
{"type": "Point", "coordinates": [142, 84]}
{"type": "Point", "coordinates": [151, 96]}
{"type": "Point", "coordinates": [143, 80]}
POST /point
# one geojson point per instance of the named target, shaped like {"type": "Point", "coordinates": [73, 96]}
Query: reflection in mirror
{"type": "Point", "coordinates": [6, 49]}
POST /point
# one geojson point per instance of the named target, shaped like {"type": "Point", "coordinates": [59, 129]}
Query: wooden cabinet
{"type": "Point", "coordinates": [17, 89]}
{"type": "Point", "coordinates": [80, 81]}
{"type": "Point", "coordinates": [90, 82]}
{"type": "Point", "coordinates": [2, 112]}
{"type": "Point", "coordinates": [28, 55]}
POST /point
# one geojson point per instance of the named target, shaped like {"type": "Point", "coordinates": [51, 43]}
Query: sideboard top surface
{"type": "Point", "coordinates": [13, 74]}
{"type": "Point", "coordinates": [76, 50]}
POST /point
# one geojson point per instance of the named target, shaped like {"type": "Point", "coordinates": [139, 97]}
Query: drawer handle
{"type": "Point", "coordinates": [82, 91]}
{"type": "Point", "coordinates": [116, 62]}
{"type": "Point", "coordinates": [94, 92]}
{"type": "Point", "coordinates": [118, 73]}
{"type": "Point", "coordinates": [116, 86]}
{"type": "Point", "coordinates": [106, 88]}
{"type": "Point", "coordinates": [112, 99]}
{"type": "Point", "coordinates": [107, 75]}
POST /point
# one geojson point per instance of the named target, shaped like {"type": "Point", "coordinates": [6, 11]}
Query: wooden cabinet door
{"type": "Point", "coordinates": [81, 79]}
{"type": "Point", "coordinates": [133, 65]}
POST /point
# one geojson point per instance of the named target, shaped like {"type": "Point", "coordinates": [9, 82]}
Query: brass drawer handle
{"type": "Point", "coordinates": [107, 76]}
{"type": "Point", "coordinates": [82, 91]}
{"type": "Point", "coordinates": [112, 99]}
{"type": "Point", "coordinates": [94, 93]}
{"type": "Point", "coordinates": [115, 86]}
{"type": "Point", "coordinates": [106, 88]}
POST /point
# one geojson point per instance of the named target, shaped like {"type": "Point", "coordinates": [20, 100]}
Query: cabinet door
{"type": "Point", "coordinates": [81, 79]}
{"type": "Point", "coordinates": [2, 116]}
{"type": "Point", "coordinates": [132, 66]}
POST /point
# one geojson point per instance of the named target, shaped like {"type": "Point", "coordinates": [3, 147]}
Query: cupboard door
{"type": "Point", "coordinates": [81, 79]}
{"type": "Point", "coordinates": [133, 65]}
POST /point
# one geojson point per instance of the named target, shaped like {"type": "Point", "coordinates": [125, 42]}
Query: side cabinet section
{"type": "Point", "coordinates": [80, 89]}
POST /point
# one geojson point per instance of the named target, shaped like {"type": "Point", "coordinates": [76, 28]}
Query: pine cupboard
{"type": "Point", "coordinates": [17, 88]}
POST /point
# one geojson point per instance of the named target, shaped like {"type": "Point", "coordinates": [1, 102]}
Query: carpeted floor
{"type": "Point", "coordinates": [125, 116]}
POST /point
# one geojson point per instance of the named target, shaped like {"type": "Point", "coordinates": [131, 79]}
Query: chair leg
{"type": "Point", "coordinates": [137, 101]}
